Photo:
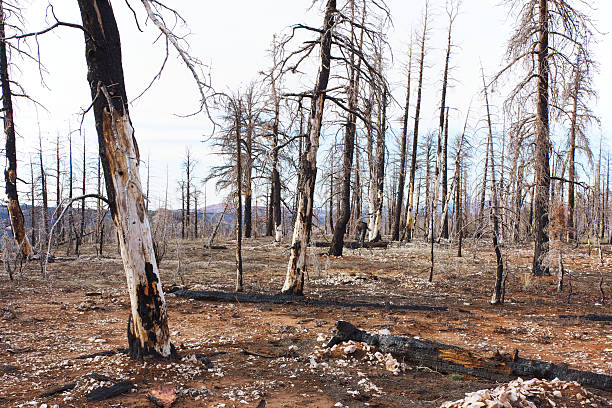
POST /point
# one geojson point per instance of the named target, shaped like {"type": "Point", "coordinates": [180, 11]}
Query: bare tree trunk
{"type": "Point", "coordinates": [84, 180]}
{"type": "Point", "coordinates": [58, 195]}
{"type": "Point", "coordinates": [238, 126]}
{"type": "Point", "coordinates": [148, 324]}
{"type": "Point", "coordinates": [248, 188]}
{"type": "Point", "coordinates": [148, 183]}
{"type": "Point", "coordinates": [415, 135]}
{"type": "Point", "coordinates": [399, 202]}
{"type": "Point", "coordinates": [10, 174]}
{"type": "Point", "coordinates": [458, 209]}
{"type": "Point", "coordinates": [377, 181]}
{"type": "Point", "coordinates": [275, 198]}
{"type": "Point", "coordinates": [33, 206]}
{"type": "Point", "coordinates": [45, 210]}
{"type": "Point", "coordinates": [542, 147]}
{"type": "Point", "coordinates": [442, 128]}
{"type": "Point", "coordinates": [330, 216]}
{"type": "Point", "coordinates": [498, 293]}
{"type": "Point", "coordinates": [71, 229]}
{"type": "Point", "coordinates": [572, 155]}
{"type": "Point", "coordinates": [214, 232]}
{"type": "Point", "coordinates": [188, 196]}
{"type": "Point", "coordinates": [294, 281]}
{"type": "Point", "coordinates": [182, 210]}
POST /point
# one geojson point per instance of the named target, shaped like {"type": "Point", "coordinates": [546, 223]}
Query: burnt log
{"type": "Point", "coordinates": [353, 244]}
{"type": "Point", "coordinates": [218, 296]}
{"type": "Point", "coordinates": [102, 393]}
{"type": "Point", "coordinates": [592, 317]}
{"type": "Point", "coordinates": [57, 390]}
{"type": "Point", "coordinates": [452, 359]}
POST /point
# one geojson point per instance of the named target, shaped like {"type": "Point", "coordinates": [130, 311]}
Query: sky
{"type": "Point", "coordinates": [232, 39]}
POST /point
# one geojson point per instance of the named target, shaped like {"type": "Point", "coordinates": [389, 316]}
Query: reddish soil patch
{"type": "Point", "coordinates": [238, 354]}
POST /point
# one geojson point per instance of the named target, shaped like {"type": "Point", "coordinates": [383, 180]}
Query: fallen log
{"type": "Point", "coordinates": [218, 296]}
{"type": "Point", "coordinates": [590, 316]}
{"type": "Point", "coordinates": [353, 244]}
{"type": "Point", "coordinates": [102, 393]}
{"type": "Point", "coordinates": [452, 359]}
{"type": "Point", "coordinates": [57, 390]}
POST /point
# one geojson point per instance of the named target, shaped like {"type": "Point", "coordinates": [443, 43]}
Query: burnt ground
{"type": "Point", "coordinates": [236, 354]}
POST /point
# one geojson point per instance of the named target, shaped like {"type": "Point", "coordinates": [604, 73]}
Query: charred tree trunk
{"type": "Point", "coordinates": [444, 129]}
{"type": "Point", "coordinates": [572, 155]}
{"type": "Point", "coordinates": [415, 135]}
{"type": "Point", "coordinates": [377, 189]}
{"type": "Point", "coordinates": [458, 209]}
{"type": "Point", "coordinates": [275, 199]}
{"type": "Point", "coordinates": [399, 202]}
{"type": "Point", "coordinates": [498, 294]}
{"type": "Point", "coordinates": [542, 147]}
{"type": "Point", "coordinates": [294, 280]}
{"type": "Point", "coordinates": [237, 130]}
{"type": "Point", "coordinates": [248, 173]}
{"type": "Point", "coordinates": [33, 205]}
{"type": "Point", "coordinates": [45, 210]}
{"type": "Point", "coordinates": [451, 359]}
{"type": "Point", "coordinates": [148, 323]}
{"type": "Point", "coordinates": [71, 230]}
{"type": "Point", "coordinates": [10, 174]}
{"type": "Point", "coordinates": [79, 240]}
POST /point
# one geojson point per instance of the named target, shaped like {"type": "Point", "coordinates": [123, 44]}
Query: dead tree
{"type": "Point", "coordinates": [294, 280]}
{"type": "Point", "coordinates": [452, 11]}
{"type": "Point", "coordinates": [415, 135]}
{"type": "Point", "coordinates": [553, 31]}
{"type": "Point", "coordinates": [498, 293]}
{"type": "Point", "coordinates": [10, 174]}
{"type": "Point", "coordinates": [148, 323]}
{"type": "Point", "coordinates": [237, 130]}
{"type": "Point", "coordinates": [401, 180]}
{"type": "Point", "coordinates": [79, 239]}
{"type": "Point", "coordinates": [354, 79]}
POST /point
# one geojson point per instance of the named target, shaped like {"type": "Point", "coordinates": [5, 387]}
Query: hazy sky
{"type": "Point", "coordinates": [232, 38]}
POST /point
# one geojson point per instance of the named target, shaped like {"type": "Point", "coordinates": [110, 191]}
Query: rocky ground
{"type": "Point", "coordinates": [68, 331]}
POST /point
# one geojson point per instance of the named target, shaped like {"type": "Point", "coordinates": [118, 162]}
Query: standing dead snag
{"type": "Point", "coordinates": [415, 136]}
{"type": "Point", "coordinates": [10, 174]}
{"type": "Point", "coordinates": [148, 323]}
{"type": "Point", "coordinates": [294, 280]}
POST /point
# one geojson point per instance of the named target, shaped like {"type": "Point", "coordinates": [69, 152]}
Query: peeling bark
{"type": "Point", "coordinates": [148, 323]}
{"type": "Point", "coordinates": [10, 174]}
{"type": "Point", "coordinates": [294, 280]}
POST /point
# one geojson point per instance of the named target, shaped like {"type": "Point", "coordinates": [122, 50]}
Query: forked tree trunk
{"type": "Point", "coordinates": [10, 174]}
{"type": "Point", "coordinates": [148, 323]}
{"type": "Point", "coordinates": [415, 135]}
{"type": "Point", "coordinates": [542, 147]}
{"type": "Point", "coordinates": [294, 280]}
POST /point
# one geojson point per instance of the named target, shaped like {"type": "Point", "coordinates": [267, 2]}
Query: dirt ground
{"type": "Point", "coordinates": [236, 354]}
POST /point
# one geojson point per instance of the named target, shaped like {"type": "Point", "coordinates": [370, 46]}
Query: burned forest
{"type": "Point", "coordinates": [318, 203]}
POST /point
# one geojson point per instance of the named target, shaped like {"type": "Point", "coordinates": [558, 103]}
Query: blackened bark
{"type": "Point", "coordinates": [572, 154]}
{"type": "Point", "coordinates": [10, 174]}
{"type": "Point", "coordinates": [148, 323]}
{"type": "Point", "coordinates": [237, 130]}
{"type": "Point", "coordinates": [448, 359]}
{"type": "Point", "coordinates": [415, 134]}
{"type": "Point", "coordinates": [399, 202]}
{"type": "Point", "coordinates": [542, 148]}
{"type": "Point", "coordinates": [498, 295]}
{"type": "Point", "coordinates": [294, 281]}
